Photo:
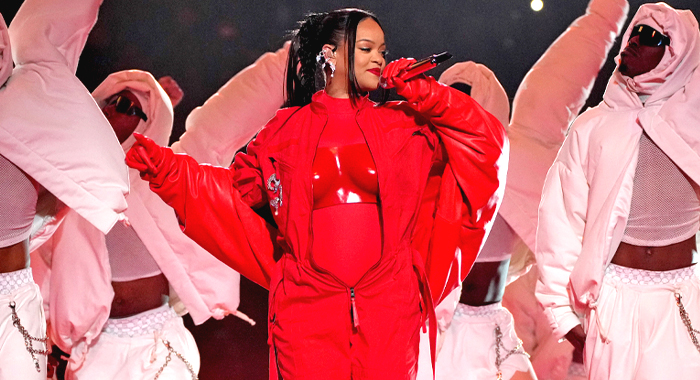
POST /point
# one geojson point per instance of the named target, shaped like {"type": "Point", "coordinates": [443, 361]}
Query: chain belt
{"type": "Point", "coordinates": [686, 321]}
{"type": "Point", "coordinates": [28, 339]}
{"type": "Point", "coordinates": [168, 358]}
{"type": "Point", "coordinates": [499, 345]}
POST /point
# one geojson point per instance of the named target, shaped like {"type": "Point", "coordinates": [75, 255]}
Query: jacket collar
{"type": "Point", "coordinates": [318, 107]}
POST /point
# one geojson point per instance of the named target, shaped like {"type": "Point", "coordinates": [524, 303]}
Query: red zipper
{"type": "Point", "coordinates": [355, 316]}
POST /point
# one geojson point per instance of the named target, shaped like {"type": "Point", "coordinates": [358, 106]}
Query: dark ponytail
{"type": "Point", "coordinates": [305, 75]}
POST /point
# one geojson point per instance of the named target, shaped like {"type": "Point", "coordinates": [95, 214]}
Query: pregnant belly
{"type": "Point", "coordinates": [347, 240]}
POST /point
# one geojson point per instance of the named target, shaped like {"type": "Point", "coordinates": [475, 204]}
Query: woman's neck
{"type": "Point", "coordinates": [337, 89]}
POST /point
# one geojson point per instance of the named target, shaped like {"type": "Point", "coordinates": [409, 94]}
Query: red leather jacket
{"type": "Point", "coordinates": [440, 160]}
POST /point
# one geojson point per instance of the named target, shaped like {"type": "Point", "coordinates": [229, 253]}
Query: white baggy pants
{"type": "Point", "coordinates": [469, 348]}
{"type": "Point", "coordinates": [133, 348]}
{"type": "Point", "coordinates": [635, 332]}
{"type": "Point", "coordinates": [15, 361]}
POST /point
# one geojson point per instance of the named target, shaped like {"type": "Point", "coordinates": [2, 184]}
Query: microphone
{"type": "Point", "coordinates": [419, 67]}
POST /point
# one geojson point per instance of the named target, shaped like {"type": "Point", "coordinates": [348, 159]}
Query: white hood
{"type": "Point", "coordinates": [680, 60]}
{"type": "Point", "coordinates": [486, 89]}
{"type": "Point", "coordinates": [155, 103]}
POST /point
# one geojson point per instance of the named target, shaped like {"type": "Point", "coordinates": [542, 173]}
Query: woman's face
{"type": "Point", "coordinates": [369, 54]}
{"type": "Point", "coordinates": [123, 124]}
{"type": "Point", "coordinates": [369, 59]}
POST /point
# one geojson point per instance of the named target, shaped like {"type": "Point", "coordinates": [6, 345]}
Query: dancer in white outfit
{"type": "Point", "coordinates": [620, 210]}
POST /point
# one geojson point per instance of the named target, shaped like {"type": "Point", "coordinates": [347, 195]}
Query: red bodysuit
{"type": "Point", "coordinates": [346, 228]}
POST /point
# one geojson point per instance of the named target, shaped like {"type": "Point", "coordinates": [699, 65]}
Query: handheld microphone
{"type": "Point", "coordinates": [420, 67]}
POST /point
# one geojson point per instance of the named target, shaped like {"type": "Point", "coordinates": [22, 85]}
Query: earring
{"type": "Point", "coordinates": [332, 66]}
{"type": "Point", "coordinates": [322, 59]}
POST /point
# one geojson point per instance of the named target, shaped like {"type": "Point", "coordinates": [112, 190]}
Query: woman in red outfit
{"type": "Point", "coordinates": [362, 195]}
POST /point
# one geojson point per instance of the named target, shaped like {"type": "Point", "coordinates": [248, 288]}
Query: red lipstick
{"type": "Point", "coordinates": [375, 71]}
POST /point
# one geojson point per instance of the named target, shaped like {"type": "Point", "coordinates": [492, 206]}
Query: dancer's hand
{"type": "Point", "coordinates": [171, 88]}
{"type": "Point", "coordinates": [144, 156]}
{"type": "Point", "coordinates": [577, 338]}
{"type": "Point", "coordinates": [391, 74]}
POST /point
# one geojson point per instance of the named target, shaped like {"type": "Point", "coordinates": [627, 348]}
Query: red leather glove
{"type": "Point", "coordinates": [145, 156]}
{"type": "Point", "coordinates": [391, 74]}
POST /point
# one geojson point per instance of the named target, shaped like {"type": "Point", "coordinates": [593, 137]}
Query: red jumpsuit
{"type": "Point", "coordinates": [439, 159]}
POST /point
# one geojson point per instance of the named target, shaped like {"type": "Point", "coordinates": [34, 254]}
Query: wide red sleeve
{"type": "Point", "coordinates": [214, 205]}
{"type": "Point", "coordinates": [212, 212]}
{"type": "Point", "coordinates": [471, 185]}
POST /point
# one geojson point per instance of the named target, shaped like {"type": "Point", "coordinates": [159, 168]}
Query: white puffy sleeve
{"type": "Point", "coordinates": [562, 219]}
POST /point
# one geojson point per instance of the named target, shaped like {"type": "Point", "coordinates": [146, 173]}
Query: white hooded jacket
{"type": "Point", "coordinates": [586, 200]}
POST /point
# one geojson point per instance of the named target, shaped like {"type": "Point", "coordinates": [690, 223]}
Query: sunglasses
{"type": "Point", "coordinates": [649, 36]}
{"type": "Point", "coordinates": [124, 105]}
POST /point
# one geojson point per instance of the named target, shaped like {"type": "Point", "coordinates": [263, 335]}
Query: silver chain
{"type": "Point", "coordinates": [686, 321]}
{"type": "Point", "coordinates": [28, 339]}
{"type": "Point", "coordinates": [168, 358]}
{"type": "Point", "coordinates": [499, 344]}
